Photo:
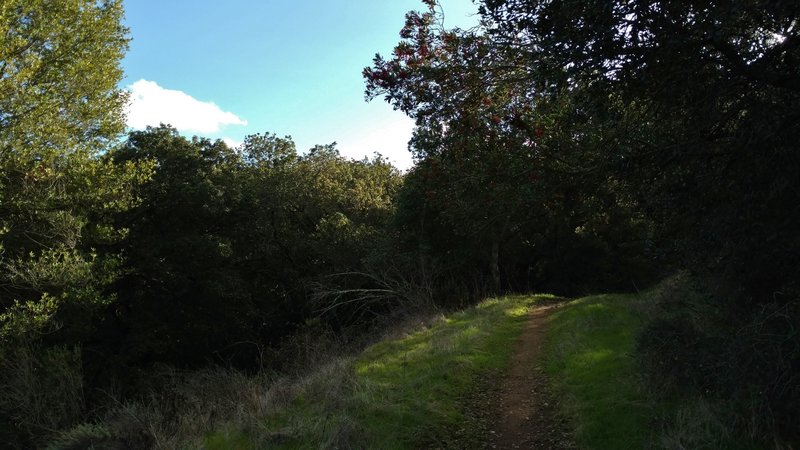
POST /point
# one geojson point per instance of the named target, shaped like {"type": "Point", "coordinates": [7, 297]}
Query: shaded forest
{"type": "Point", "coordinates": [562, 147]}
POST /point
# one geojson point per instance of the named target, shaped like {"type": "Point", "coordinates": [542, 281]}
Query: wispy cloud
{"type": "Point", "coordinates": [152, 104]}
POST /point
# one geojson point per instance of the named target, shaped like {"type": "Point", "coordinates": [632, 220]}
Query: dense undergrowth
{"type": "Point", "coordinates": [731, 372]}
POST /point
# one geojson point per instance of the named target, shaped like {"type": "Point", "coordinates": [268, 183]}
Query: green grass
{"type": "Point", "coordinates": [589, 349]}
{"type": "Point", "coordinates": [418, 390]}
{"type": "Point", "coordinates": [398, 394]}
{"type": "Point", "coordinates": [591, 363]}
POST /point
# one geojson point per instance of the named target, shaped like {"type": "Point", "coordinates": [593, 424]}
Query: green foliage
{"type": "Point", "coordinates": [508, 188]}
{"type": "Point", "coordinates": [696, 105]}
{"type": "Point", "coordinates": [224, 245]}
{"type": "Point", "coordinates": [647, 104]}
{"type": "Point", "coordinates": [60, 66]}
{"type": "Point", "coordinates": [177, 283]}
{"type": "Point", "coordinates": [60, 109]}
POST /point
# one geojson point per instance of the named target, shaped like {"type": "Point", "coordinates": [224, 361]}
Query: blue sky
{"type": "Point", "coordinates": [292, 67]}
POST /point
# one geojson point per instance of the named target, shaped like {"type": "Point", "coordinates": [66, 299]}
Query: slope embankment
{"type": "Point", "coordinates": [405, 392]}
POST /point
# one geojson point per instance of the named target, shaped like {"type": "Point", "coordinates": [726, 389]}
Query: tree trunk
{"type": "Point", "coordinates": [494, 265]}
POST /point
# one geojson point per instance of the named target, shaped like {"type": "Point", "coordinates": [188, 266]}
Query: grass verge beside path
{"type": "Point", "coordinates": [591, 361]}
{"type": "Point", "coordinates": [398, 394]}
{"type": "Point", "coordinates": [589, 348]}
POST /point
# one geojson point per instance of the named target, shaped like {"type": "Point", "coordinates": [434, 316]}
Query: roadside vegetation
{"type": "Point", "coordinates": [399, 393]}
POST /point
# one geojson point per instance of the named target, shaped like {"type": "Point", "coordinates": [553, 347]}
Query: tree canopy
{"type": "Point", "coordinates": [60, 109]}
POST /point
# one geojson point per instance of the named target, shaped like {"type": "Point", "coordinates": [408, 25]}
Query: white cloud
{"type": "Point", "coordinates": [389, 138]}
{"type": "Point", "coordinates": [232, 143]}
{"type": "Point", "coordinates": [151, 104]}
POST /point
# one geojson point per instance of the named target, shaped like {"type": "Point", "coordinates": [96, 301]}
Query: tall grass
{"type": "Point", "coordinates": [41, 391]}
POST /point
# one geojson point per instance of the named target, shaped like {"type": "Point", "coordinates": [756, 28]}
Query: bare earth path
{"type": "Point", "coordinates": [514, 409]}
{"type": "Point", "coordinates": [527, 417]}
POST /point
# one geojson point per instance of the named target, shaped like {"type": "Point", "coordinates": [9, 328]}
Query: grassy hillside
{"type": "Point", "coordinates": [414, 390]}
{"type": "Point", "coordinates": [400, 393]}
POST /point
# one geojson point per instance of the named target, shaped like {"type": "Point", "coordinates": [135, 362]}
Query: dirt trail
{"type": "Point", "coordinates": [526, 415]}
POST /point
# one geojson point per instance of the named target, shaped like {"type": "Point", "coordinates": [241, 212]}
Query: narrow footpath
{"type": "Point", "coordinates": [526, 415]}
{"type": "Point", "coordinates": [514, 409]}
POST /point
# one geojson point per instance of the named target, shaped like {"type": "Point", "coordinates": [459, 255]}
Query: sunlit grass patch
{"type": "Point", "coordinates": [422, 376]}
{"type": "Point", "coordinates": [590, 359]}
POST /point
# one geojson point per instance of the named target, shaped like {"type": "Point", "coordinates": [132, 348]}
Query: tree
{"type": "Point", "coordinates": [667, 98]}
{"type": "Point", "coordinates": [692, 97]}
{"type": "Point", "coordinates": [504, 164]}
{"type": "Point", "coordinates": [60, 112]}
{"type": "Point", "coordinates": [226, 247]}
{"type": "Point", "coordinates": [60, 108]}
{"type": "Point", "coordinates": [60, 69]}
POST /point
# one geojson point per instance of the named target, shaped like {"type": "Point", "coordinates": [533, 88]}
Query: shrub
{"type": "Point", "coordinates": [41, 390]}
{"type": "Point", "coordinates": [740, 357]}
